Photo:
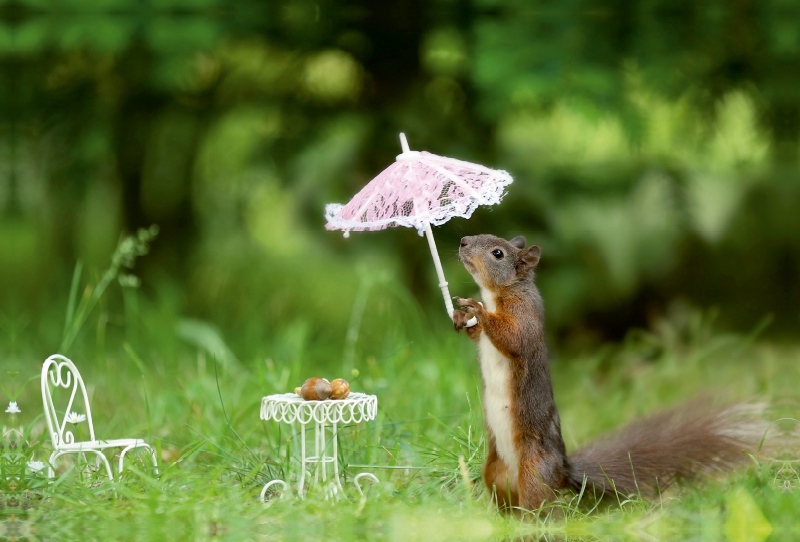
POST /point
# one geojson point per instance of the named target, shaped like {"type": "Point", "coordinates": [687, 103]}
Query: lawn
{"type": "Point", "coordinates": [654, 148]}
{"type": "Point", "coordinates": [182, 387]}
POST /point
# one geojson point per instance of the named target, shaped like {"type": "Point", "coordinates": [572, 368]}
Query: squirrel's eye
{"type": "Point", "coordinates": [497, 253]}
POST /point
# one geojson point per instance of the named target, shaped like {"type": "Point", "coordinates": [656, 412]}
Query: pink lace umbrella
{"type": "Point", "coordinates": [418, 190]}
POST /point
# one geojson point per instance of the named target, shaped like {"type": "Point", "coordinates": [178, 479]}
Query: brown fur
{"type": "Point", "coordinates": [678, 444]}
{"type": "Point", "coordinates": [650, 453]}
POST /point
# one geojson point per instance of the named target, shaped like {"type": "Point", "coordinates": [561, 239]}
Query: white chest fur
{"type": "Point", "coordinates": [496, 372]}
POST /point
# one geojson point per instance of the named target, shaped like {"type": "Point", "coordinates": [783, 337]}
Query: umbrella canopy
{"type": "Point", "coordinates": [418, 190]}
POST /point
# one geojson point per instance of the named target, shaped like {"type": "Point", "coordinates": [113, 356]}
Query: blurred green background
{"type": "Point", "coordinates": [654, 147]}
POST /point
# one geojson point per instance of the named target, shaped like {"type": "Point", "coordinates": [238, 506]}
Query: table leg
{"type": "Point", "coordinates": [302, 460]}
{"type": "Point", "coordinates": [269, 485]}
{"type": "Point", "coordinates": [323, 457]}
{"type": "Point", "coordinates": [335, 437]}
{"type": "Point", "coordinates": [363, 475]}
{"type": "Point", "coordinates": [317, 451]}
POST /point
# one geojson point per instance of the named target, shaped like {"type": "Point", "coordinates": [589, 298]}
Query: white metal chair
{"type": "Point", "coordinates": [60, 372]}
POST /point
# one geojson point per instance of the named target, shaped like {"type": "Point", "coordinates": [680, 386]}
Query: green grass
{"type": "Point", "coordinates": [197, 399]}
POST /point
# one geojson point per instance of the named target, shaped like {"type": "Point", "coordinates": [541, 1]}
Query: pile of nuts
{"type": "Point", "coordinates": [319, 389]}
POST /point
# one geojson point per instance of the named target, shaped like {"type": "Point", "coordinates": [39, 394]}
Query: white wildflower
{"type": "Point", "coordinates": [75, 418]}
{"type": "Point", "coordinates": [13, 408]}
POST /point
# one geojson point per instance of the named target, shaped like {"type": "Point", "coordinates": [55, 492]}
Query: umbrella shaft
{"type": "Point", "coordinates": [448, 303]}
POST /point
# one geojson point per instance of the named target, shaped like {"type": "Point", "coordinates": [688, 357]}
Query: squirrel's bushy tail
{"type": "Point", "coordinates": [654, 452]}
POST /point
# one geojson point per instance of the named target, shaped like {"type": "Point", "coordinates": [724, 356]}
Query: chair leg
{"type": "Point", "coordinates": [155, 461]}
{"type": "Point", "coordinates": [81, 455]}
{"type": "Point", "coordinates": [105, 462]}
{"type": "Point", "coordinates": [51, 463]}
{"type": "Point", "coordinates": [122, 458]}
{"type": "Point", "coordinates": [129, 448]}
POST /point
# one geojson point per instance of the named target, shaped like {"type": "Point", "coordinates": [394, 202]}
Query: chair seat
{"type": "Point", "coordinates": [102, 444]}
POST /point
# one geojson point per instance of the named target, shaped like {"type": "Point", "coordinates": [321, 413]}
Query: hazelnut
{"type": "Point", "coordinates": [340, 388]}
{"type": "Point", "coordinates": [315, 389]}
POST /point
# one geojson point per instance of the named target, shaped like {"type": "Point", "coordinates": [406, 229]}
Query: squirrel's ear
{"type": "Point", "coordinates": [518, 241]}
{"type": "Point", "coordinates": [529, 258]}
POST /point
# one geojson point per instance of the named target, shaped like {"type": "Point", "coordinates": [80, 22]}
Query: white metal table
{"type": "Point", "coordinates": [326, 417]}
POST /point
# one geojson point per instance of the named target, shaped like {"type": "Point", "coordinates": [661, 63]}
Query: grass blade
{"type": "Point", "coordinates": [73, 297]}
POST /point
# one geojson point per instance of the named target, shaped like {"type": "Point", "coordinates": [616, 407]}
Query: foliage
{"type": "Point", "coordinates": [129, 248]}
{"type": "Point", "coordinates": [426, 446]}
{"type": "Point", "coordinates": [654, 146]}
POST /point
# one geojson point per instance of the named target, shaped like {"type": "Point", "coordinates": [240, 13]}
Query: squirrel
{"type": "Point", "coordinates": [527, 463]}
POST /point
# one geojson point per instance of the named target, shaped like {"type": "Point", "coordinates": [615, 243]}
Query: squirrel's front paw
{"type": "Point", "coordinates": [470, 305]}
{"type": "Point", "coordinates": [460, 320]}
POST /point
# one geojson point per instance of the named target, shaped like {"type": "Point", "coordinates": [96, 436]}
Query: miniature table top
{"type": "Point", "coordinates": [290, 408]}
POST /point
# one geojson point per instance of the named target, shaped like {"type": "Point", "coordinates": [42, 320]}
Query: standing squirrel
{"type": "Point", "coordinates": [527, 460]}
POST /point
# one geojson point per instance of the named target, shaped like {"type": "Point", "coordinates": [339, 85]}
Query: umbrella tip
{"type": "Point", "coordinates": [404, 142]}
{"type": "Point", "coordinates": [346, 234]}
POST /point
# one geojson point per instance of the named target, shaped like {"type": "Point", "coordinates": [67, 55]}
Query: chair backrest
{"type": "Point", "coordinates": [60, 372]}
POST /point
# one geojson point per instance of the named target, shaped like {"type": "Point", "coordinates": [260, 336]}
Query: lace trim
{"type": "Point", "coordinates": [413, 192]}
